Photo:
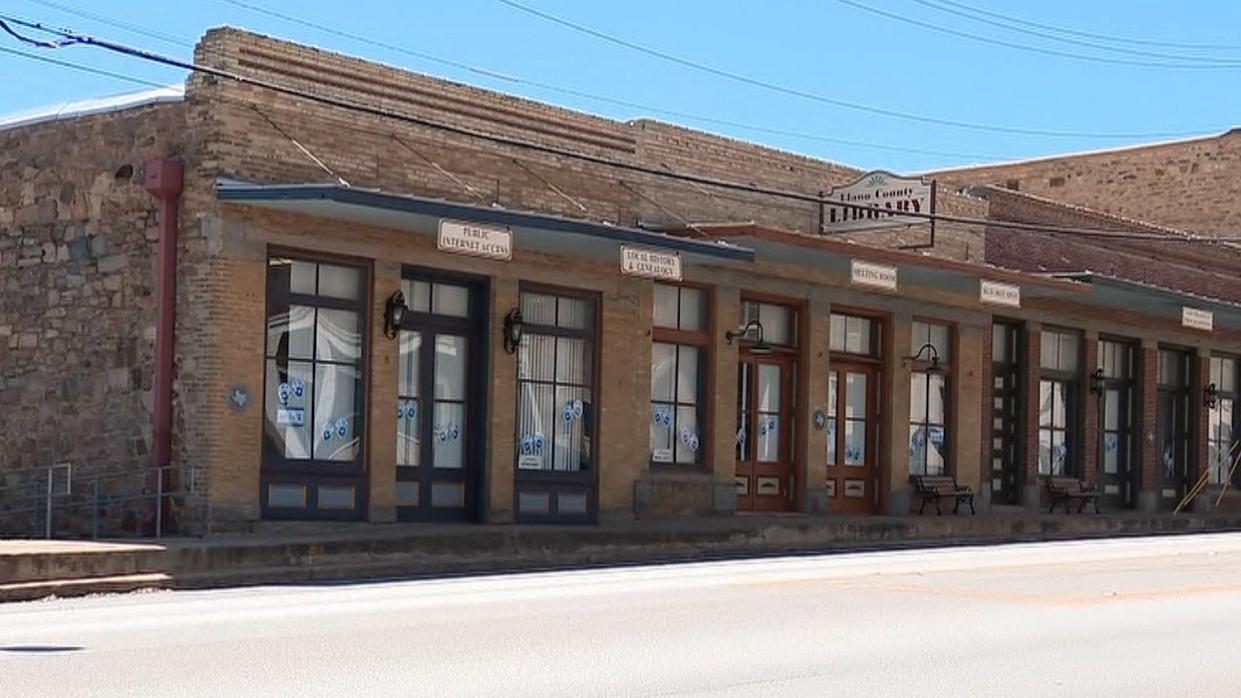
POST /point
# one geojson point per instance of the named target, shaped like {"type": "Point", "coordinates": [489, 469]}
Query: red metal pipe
{"type": "Point", "coordinates": [163, 179]}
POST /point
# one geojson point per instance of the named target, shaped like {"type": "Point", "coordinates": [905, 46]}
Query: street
{"type": "Point", "coordinates": [1132, 617]}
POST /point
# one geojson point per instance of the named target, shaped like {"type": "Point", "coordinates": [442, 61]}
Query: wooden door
{"type": "Point", "coordinates": [852, 438]}
{"type": "Point", "coordinates": [766, 472]}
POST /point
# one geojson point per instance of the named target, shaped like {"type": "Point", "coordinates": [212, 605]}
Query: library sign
{"type": "Point", "coordinates": [881, 198]}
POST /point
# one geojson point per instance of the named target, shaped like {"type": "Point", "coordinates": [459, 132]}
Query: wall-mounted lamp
{"type": "Point", "coordinates": [394, 314]}
{"type": "Point", "coordinates": [1210, 396]}
{"type": "Point", "coordinates": [514, 327]}
{"type": "Point", "coordinates": [1096, 381]}
{"type": "Point", "coordinates": [935, 366]}
{"type": "Point", "coordinates": [758, 346]}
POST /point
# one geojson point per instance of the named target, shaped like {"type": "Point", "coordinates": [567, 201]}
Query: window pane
{"type": "Point", "coordinates": [572, 361]}
{"type": "Point", "coordinates": [411, 349]}
{"type": "Point", "coordinates": [1059, 404]}
{"type": "Point", "coordinates": [1217, 369]}
{"type": "Point", "coordinates": [688, 440]}
{"type": "Point", "coordinates": [662, 424]}
{"type": "Point", "coordinates": [1111, 453]}
{"type": "Point", "coordinates": [831, 393]}
{"type": "Point", "coordinates": [1111, 409]}
{"type": "Point", "coordinates": [417, 295]}
{"type": "Point", "coordinates": [777, 324]}
{"type": "Point", "coordinates": [291, 334]}
{"type": "Point", "coordinates": [939, 339]}
{"type": "Point", "coordinates": [919, 335]}
{"type": "Point", "coordinates": [1044, 403]}
{"type": "Point", "coordinates": [768, 388]}
{"type": "Point", "coordinates": [340, 282]}
{"type": "Point", "coordinates": [857, 335]}
{"type": "Point", "coordinates": [855, 442]}
{"type": "Point", "coordinates": [937, 395]}
{"type": "Point", "coordinates": [855, 395]}
{"type": "Point", "coordinates": [917, 449]}
{"type": "Point", "coordinates": [538, 309]}
{"type": "Point", "coordinates": [743, 414]}
{"type": "Point", "coordinates": [693, 309]}
{"type": "Point", "coordinates": [290, 392]}
{"type": "Point", "coordinates": [917, 397]}
{"type": "Point", "coordinates": [936, 445]}
{"type": "Point", "coordinates": [1059, 452]}
{"type": "Point", "coordinates": [303, 277]}
{"type": "Point", "coordinates": [999, 343]}
{"type": "Point", "coordinates": [1048, 350]}
{"type": "Point", "coordinates": [336, 336]}
{"type": "Point", "coordinates": [536, 358]}
{"type": "Point", "coordinates": [572, 410]}
{"type": "Point", "coordinates": [663, 362]}
{"type": "Point", "coordinates": [335, 413]}
{"type": "Point", "coordinates": [448, 431]}
{"type": "Point", "coordinates": [1044, 452]}
{"type": "Point", "coordinates": [665, 306]}
{"type": "Point", "coordinates": [1068, 352]}
{"type": "Point", "coordinates": [768, 438]}
{"type": "Point", "coordinates": [450, 363]}
{"type": "Point", "coordinates": [453, 301]}
{"type": "Point", "coordinates": [831, 440]}
{"type": "Point", "coordinates": [534, 427]}
{"type": "Point", "coordinates": [408, 432]}
{"type": "Point", "coordinates": [836, 339]}
{"type": "Point", "coordinates": [571, 313]}
{"type": "Point", "coordinates": [687, 375]}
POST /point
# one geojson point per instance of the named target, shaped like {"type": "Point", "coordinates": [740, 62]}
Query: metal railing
{"type": "Point", "coordinates": [48, 495]}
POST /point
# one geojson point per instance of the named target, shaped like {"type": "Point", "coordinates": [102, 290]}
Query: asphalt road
{"type": "Point", "coordinates": [1136, 617]}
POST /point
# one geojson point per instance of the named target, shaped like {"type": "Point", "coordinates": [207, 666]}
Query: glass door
{"type": "Point", "coordinates": [765, 476]}
{"type": "Point", "coordinates": [1116, 418]}
{"type": "Point", "coordinates": [852, 434]}
{"type": "Point", "coordinates": [438, 453]}
{"type": "Point", "coordinates": [1173, 421]}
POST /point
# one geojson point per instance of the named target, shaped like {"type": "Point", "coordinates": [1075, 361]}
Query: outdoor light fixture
{"type": "Point", "coordinates": [1096, 381]}
{"type": "Point", "coordinates": [514, 326]}
{"type": "Point", "coordinates": [935, 367]}
{"type": "Point", "coordinates": [394, 314]}
{"type": "Point", "coordinates": [1210, 396]}
{"type": "Point", "coordinates": [759, 346]}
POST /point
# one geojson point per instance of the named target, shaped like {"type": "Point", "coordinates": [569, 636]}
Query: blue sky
{"type": "Point", "coordinates": [831, 49]}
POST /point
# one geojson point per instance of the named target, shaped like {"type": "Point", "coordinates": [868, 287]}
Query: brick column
{"type": "Point", "coordinates": [813, 456]}
{"type": "Point", "coordinates": [499, 467]}
{"type": "Point", "coordinates": [624, 394]}
{"type": "Point", "coordinates": [723, 464]}
{"type": "Point", "coordinates": [1147, 449]}
{"type": "Point", "coordinates": [894, 416]}
{"type": "Point", "coordinates": [1031, 495]}
{"type": "Point", "coordinates": [384, 370]}
{"type": "Point", "coordinates": [1089, 421]}
{"type": "Point", "coordinates": [964, 417]}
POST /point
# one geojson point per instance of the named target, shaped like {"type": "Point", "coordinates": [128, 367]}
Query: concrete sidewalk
{"type": "Point", "coordinates": [281, 553]}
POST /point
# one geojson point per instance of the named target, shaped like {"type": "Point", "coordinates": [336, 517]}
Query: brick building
{"type": "Point", "coordinates": [479, 307]}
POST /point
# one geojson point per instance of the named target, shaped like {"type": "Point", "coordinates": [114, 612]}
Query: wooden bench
{"type": "Point", "coordinates": [937, 487]}
{"type": "Point", "coordinates": [1069, 489]}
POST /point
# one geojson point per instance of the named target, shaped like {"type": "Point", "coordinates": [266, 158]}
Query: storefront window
{"type": "Point", "coordinates": [313, 387]}
{"type": "Point", "coordinates": [851, 334]}
{"type": "Point", "coordinates": [555, 416]}
{"type": "Point", "coordinates": [1220, 439]}
{"type": "Point", "coordinates": [779, 322]}
{"type": "Point", "coordinates": [928, 387]}
{"type": "Point", "coordinates": [678, 370]}
{"type": "Point", "coordinates": [1174, 415]}
{"type": "Point", "coordinates": [1059, 357]}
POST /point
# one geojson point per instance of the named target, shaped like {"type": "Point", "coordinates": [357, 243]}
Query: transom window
{"type": "Point", "coordinates": [313, 384]}
{"type": "Point", "coordinates": [1222, 418]}
{"type": "Point", "coordinates": [779, 322]}
{"type": "Point", "coordinates": [1059, 350]}
{"type": "Point", "coordinates": [678, 375]}
{"type": "Point", "coordinates": [928, 400]}
{"type": "Point", "coordinates": [853, 334]}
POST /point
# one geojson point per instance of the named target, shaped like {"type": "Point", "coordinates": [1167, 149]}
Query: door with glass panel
{"type": "Point", "coordinates": [313, 450]}
{"type": "Point", "coordinates": [1117, 474]}
{"type": "Point", "coordinates": [1222, 421]}
{"type": "Point", "coordinates": [557, 419]}
{"type": "Point", "coordinates": [439, 399]}
{"type": "Point", "coordinates": [1174, 426]}
{"type": "Point", "coordinates": [852, 459]}
{"type": "Point", "coordinates": [765, 474]}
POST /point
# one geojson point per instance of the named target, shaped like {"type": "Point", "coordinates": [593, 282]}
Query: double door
{"type": "Point", "coordinates": [852, 438]}
{"type": "Point", "coordinates": [766, 476]}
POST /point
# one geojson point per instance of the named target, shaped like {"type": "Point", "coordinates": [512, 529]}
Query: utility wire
{"type": "Point", "coordinates": [79, 67]}
{"type": "Point", "coordinates": [115, 22]}
{"type": "Point", "coordinates": [509, 141]}
{"type": "Point", "coordinates": [1091, 35]}
{"type": "Point", "coordinates": [506, 77]}
{"type": "Point", "coordinates": [796, 92]}
{"type": "Point", "coordinates": [1032, 49]}
{"type": "Point", "coordinates": [1206, 61]}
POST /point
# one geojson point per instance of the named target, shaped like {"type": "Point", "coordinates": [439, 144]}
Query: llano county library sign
{"type": "Point", "coordinates": [881, 198]}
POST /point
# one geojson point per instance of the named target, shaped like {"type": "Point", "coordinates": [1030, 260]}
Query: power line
{"type": "Point", "coordinates": [79, 67]}
{"type": "Point", "coordinates": [1032, 49]}
{"type": "Point", "coordinates": [384, 113]}
{"type": "Point", "coordinates": [1090, 35]}
{"type": "Point", "coordinates": [1008, 25]}
{"type": "Point", "coordinates": [115, 22]}
{"type": "Point", "coordinates": [587, 95]}
{"type": "Point", "coordinates": [796, 92]}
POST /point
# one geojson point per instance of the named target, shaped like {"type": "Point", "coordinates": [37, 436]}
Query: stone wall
{"type": "Point", "coordinates": [77, 323]}
{"type": "Point", "coordinates": [1194, 184]}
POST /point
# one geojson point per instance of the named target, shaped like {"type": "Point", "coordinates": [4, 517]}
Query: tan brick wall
{"type": "Point", "coordinates": [1194, 185]}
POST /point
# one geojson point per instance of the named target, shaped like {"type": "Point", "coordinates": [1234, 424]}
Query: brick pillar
{"type": "Point", "coordinates": [1148, 450]}
{"type": "Point", "coordinates": [1031, 492]}
{"type": "Point", "coordinates": [894, 416]}
{"type": "Point", "coordinates": [1201, 426]}
{"type": "Point", "coordinates": [501, 403]}
{"type": "Point", "coordinates": [1088, 423]}
{"type": "Point", "coordinates": [384, 369]}
{"type": "Point", "coordinates": [723, 464]}
{"type": "Point", "coordinates": [624, 394]}
{"type": "Point", "coordinates": [970, 365]}
{"type": "Point", "coordinates": [813, 398]}
{"type": "Point", "coordinates": [986, 418]}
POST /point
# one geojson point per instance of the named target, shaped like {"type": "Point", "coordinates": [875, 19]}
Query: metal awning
{"type": "Point", "coordinates": [545, 233]}
{"type": "Point", "coordinates": [1159, 301]}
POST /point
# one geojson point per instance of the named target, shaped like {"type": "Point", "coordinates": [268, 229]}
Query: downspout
{"type": "Point", "coordinates": [163, 180]}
